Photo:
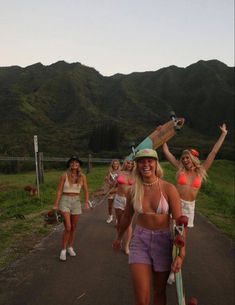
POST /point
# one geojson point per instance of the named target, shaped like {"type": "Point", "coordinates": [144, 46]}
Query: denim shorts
{"type": "Point", "coordinates": [70, 204]}
{"type": "Point", "coordinates": [151, 247]}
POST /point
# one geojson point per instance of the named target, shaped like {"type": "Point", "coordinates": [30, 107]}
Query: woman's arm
{"type": "Point", "coordinates": [176, 210]}
{"type": "Point", "coordinates": [59, 192]}
{"type": "Point", "coordinates": [169, 156]}
{"type": "Point", "coordinates": [207, 164]}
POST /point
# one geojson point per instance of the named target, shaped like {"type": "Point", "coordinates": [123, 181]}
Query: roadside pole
{"type": "Point", "coordinates": [35, 138]}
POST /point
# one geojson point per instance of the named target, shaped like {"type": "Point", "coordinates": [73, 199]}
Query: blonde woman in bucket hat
{"type": "Point", "coordinates": [153, 199]}
{"type": "Point", "coordinates": [68, 202]}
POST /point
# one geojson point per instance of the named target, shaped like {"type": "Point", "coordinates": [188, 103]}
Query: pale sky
{"type": "Point", "coordinates": [116, 36]}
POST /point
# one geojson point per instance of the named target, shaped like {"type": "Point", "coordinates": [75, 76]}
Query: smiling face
{"type": "Point", "coordinates": [187, 161]}
{"type": "Point", "coordinates": [115, 165]}
{"type": "Point", "coordinates": [147, 167]}
{"type": "Point", "coordinates": [129, 165]}
{"type": "Point", "coordinates": [74, 164]}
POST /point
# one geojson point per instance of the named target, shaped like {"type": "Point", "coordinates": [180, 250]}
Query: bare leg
{"type": "Point", "coordinates": [118, 213]}
{"type": "Point", "coordinates": [67, 229]}
{"type": "Point", "coordinates": [74, 221]}
{"type": "Point", "coordinates": [160, 282]}
{"type": "Point", "coordinates": [110, 207]}
{"type": "Point", "coordinates": [127, 238]}
{"type": "Point", "coordinates": [142, 279]}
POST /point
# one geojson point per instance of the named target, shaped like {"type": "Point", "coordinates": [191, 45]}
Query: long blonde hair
{"type": "Point", "coordinates": [111, 165]}
{"type": "Point", "coordinates": [137, 191]}
{"type": "Point", "coordinates": [124, 165]}
{"type": "Point", "coordinates": [199, 169]}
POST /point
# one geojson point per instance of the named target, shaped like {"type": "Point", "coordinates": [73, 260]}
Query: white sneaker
{"type": "Point", "coordinates": [63, 255]}
{"type": "Point", "coordinates": [110, 219]}
{"type": "Point", "coordinates": [71, 252]}
{"type": "Point", "coordinates": [171, 278]}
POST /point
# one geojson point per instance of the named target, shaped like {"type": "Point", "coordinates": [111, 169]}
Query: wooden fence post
{"type": "Point", "coordinates": [89, 164]}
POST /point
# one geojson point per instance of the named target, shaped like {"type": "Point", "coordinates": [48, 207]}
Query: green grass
{"type": "Point", "coordinates": [215, 201]}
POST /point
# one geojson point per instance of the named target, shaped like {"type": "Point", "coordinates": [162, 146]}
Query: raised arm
{"type": "Point", "coordinates": [169, 156]}
{"type": "Point", "coordinates": [207, 164]}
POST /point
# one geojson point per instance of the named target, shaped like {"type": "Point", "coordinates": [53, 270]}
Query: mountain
{"type": "Point", "coordinates": [74, 109]}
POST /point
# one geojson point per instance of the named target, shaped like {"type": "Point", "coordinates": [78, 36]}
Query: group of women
{"type": "Point", "coordinates": [142, 191]}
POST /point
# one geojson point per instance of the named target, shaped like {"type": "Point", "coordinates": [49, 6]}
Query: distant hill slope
{"type": "Point", "coordinates": [73, 108]}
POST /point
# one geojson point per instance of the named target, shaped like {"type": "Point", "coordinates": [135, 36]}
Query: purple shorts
{"type": "Point", "coordinates": [151, 247]}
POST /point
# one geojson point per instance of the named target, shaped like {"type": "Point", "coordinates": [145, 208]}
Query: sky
{"type": "Point", "coordinates": [116, 36]}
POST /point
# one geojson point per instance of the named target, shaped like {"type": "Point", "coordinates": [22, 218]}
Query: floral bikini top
{"type": "Point", "coordinates": [162, 207]}
{"type": "Point", "coordinates": [182, 180]}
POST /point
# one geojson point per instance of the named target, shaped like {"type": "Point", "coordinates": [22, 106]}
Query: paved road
{"type": "Point", "coordinates": [101, 277]}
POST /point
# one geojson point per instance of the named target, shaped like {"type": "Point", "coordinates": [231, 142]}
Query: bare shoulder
{"type": "Point", "coordinates": [167, 186]}
{"type": "Point", "coordinates": [83, 176]}
{"type": "Point", "coordinates": [64, 175]}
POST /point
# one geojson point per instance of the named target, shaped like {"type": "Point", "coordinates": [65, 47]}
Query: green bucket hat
{"type": "Point", "coordinates": [146, 153]}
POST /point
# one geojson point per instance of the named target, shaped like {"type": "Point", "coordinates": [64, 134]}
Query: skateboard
{"type": "Point", "coordinates": [160, 135]}
{"type": "Point", "coordinates": [98, 197]}
{"type": "Point", "coordinates": [178, 231]}
{"type": "Point", "coordinates": [53, 217]}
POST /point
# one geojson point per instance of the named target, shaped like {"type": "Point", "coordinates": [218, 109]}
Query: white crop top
{"type": "Point", "coordinates": [71, 188]}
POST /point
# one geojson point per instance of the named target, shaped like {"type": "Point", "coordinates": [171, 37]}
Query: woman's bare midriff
{"type": "Point", "coordinates": [154, 221]}
{"type": "Point", "coordinates": [187, 192]}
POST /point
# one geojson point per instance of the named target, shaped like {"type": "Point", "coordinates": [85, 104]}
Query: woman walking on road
{"type": "Point", "coordinates": [110, 182]}
{"type": "Point", "coordinates": [191, 173]}
{"type": "Point", "coordinates": [124, 182]}
{"type": "Point", "coordinates": [68, 202]}
{"type": "Point", "coordinates": [153, 199]}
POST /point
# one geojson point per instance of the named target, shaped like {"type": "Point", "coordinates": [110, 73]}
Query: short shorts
{"type": "Point", "coordinates": [119, 202]}
{"type": "Point", "coordinates": [151, 247]}
{"type": "Point", "coordinates": [188, 209]}
{"type": "Point", "coordinates": [70, 204]}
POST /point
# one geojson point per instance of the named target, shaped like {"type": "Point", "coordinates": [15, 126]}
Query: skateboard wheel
{"type": "Point", "coordinates": [182, 221]}
{"type": "Point", "coordinates": [192, 301]}
{"type": "Point", "coordinates": [179, 241]}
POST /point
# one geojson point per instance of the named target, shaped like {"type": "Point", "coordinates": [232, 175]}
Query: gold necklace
{"type": "Point", "coordinates": [150, 184]}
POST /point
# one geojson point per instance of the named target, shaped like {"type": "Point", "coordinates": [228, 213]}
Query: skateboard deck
{"type": "Point", "coordinates": [100, 196]}
{"type": "Point", "coordinates": [160, 135]}
{"type": "Point", "coordinates": [53, 217]}
{"type": "Point", "coordinates": [178, 231]}
{"type": "Point", "coordinates": [178, 235]}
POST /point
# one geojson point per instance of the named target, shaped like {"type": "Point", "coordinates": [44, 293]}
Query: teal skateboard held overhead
{"type": "Point", "coordinates": [160, 135]}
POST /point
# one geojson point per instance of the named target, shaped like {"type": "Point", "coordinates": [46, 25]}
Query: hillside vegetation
{"type": "Point", "coordinates": [73, 108]}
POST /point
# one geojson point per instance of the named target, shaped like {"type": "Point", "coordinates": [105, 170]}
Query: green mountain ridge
{"type": "Point", "coordinates": [73, 108]}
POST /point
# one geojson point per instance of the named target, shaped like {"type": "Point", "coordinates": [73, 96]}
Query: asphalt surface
{"type": "Point", "coordinates": [99, 276]}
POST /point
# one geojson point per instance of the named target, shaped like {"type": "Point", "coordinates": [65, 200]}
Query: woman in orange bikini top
{"type": "Point", "coordinates": [191, 172]}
